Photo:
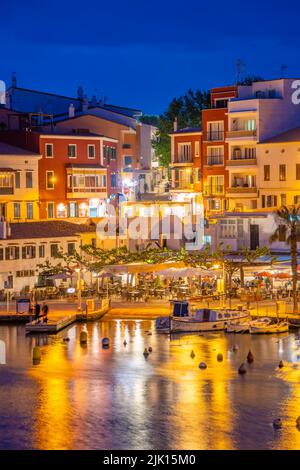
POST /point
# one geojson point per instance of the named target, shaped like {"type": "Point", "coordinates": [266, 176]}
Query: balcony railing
{"type": "Point", "coordinates": [213, 190]}
{"type": "Point", "coordinates": [242, 189]}
{"type": "Point", "coordinates": [240, 133]}
{"type": "Point", "coordinates": [182, 185]}
{"type": "Point", "coordinates": [241, 161]}
{"type": "Point", "coordinates": [87, 190]}
{"type": "Point", "coordinates": [215, 160]}
{"type": "Point", "coordinates": [213, 136]}
{"type": "Point", "coordinates": [6, 190]}
{"type": "Point", "coordinates": [183, 160]}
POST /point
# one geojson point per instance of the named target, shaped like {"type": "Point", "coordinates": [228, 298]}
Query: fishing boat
{"type": "Point", "coordinates": [163, 325]}
{"type": "Point", "coordinates": [268, 328]}
{"type": "Point", "coordinates": [245, 325]}
{"type": "Point", "coordinates": [184, 319]}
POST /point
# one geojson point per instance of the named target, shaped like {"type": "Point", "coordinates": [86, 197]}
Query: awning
{"type": "Point", "coordinates": [133, 268]}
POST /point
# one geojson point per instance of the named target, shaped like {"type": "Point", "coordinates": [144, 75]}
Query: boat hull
{"type": "Point", "coordinates": [268, 330]}
{"type": "Point", "coordinates": [191, 325]}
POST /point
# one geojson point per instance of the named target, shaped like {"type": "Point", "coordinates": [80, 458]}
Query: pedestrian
{"type": "Point", "coordinates": [45, 310]}
{"type": "Point", "coordinates": [37, 311]}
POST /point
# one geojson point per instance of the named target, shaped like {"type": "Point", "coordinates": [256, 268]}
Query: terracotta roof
{"type": "Point", "coordinates": [7, 149]}
{"type": "Point", "coordinates": [292, 135]}
{"type": "Point", "coordinates": [48, 229]}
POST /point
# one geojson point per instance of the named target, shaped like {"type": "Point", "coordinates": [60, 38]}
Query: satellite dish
{"type": "Point", "coordinates": [2, 92]}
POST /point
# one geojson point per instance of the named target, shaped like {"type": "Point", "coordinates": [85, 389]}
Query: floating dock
{"type": "Point", "coordinates": [55, 325]}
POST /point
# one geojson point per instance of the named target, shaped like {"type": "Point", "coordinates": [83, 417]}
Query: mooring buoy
{"type": "Point", "coordinates": [242, 369]}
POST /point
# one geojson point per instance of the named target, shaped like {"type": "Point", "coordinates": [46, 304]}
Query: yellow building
{"type": "Point", "coordinates": [19, 191]}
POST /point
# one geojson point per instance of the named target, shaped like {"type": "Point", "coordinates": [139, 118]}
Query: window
{"type": "Point", "coordinates": [72, 209]}
{"type": "Point", "coordinates": [197, 149]}
{"type": "Point", "coordinates": [215, 130]}
{"type": "Point", "coordinates": [221, 103]}
{"type": "Point", "coordinates": [72, 150]}
{"type": "Point", "coordinates": [215, 155]}
{"type": "Point", "coordinates": [17, 179]}
{"type": "Point", "coordinates": [128, 161]}
{"type": "Point", "coordinates": [271, 201]}
{"type": "Point", "coordinates": [1, 254]}
{"type": "Point", "coordinates": [28, 179]}
{"type": "Point", "coordinates": [263, 201]}
{"type": "Point", "coordinates": [215, 185]}
{"type": "Point", "coordinates": [283, 199]}
{"type": "Point", "coordinates": [296, 199]}
{"type": "Point", "coordinates": [54, 250]}
{"type": "Point", "coordinates": [50, 210]}
{"type": "Point", "coordinates": [29, 210]}
{"type": "Point", "coordinates": [12, 252]}
{"type": "Point", "coordinates": [282, 233]}
{"type": "Point", "coordinates": [184, 152]}
{"type": "Point", "coordinates": [282, 172]}
{"type": "Point", "coordinates": [17, 210]}
{"type": "Point", "coordinates": [91, 151]}
{"type": "Point", "coordinates": [266, 172]}
{"type": "Point", "coordinates": [297, 171]}
{"type": "Point", "coordinates": [71, 248]}
{"type": "Point", "coordinates": [227, 228]}
{"type": "Point", "coordinates": [250, 125]}
{"type": "Point", "coordinates": [50, 179]}
{"type": "Point", "coordinates": [49, 150]}
{"type": "Point", "coordinates": [113, 181]}
{"type": "Point", "coordinates": [28, 252]}
{"type": "Point", "coordinates": [42, 251]}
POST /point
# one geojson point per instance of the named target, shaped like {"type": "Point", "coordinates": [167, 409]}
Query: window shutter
{"type": "Point", "coordinates": [7, 253]}
{"type": "Point", "coordinates": [24, 252]}
{"type": "Point", "coordinates": [17, 252]}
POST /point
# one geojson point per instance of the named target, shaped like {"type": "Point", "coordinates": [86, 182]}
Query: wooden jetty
{"type": "Point", "coordinates": [55, 325]}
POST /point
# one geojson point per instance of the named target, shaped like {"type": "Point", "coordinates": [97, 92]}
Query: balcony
{"type": "Point", "coordinates": [241, 162]}
{"type": "Point", "coordinates": [213, 190]}
{"type": "Point", "coordinates": [241, 134]}
{"type": "Point", "coordinates": [182, 186]}
{"type": "Point", "coordinates": [213, 136]}
{"type": "Point", "coordinates": [250, 191]}
{"type": "Point", "coordinates": [6, 190]}
{"type": "Point", "coordinates": [87, 190]}
{"type": "Point", "coordinates": [212, 160]}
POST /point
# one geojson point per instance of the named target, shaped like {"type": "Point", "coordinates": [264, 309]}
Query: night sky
{"type": "Point", "coordinates": [142, 54]}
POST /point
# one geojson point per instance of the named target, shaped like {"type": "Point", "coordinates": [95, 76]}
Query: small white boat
{"type": "Point", "coordinates": [162, 324]}
{"type": "Point", "coordinates": [268, 328]}
{"type": "Point", "coordinates": [243, 327]}
{"type": "Point", "coordinates": [204, 319]}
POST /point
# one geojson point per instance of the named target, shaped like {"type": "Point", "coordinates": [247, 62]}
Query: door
{"type": "Point", "coordinates": [254, 236]}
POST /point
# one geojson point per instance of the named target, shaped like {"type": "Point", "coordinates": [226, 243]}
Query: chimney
{"type": "Point", "coordinates": [85, 105]}
{"type": "Point", "coordinates": [71, 111]}
{"type": "Point", "coordinates": [80, 93]}
{"type": "Point", "coordinates": [175, 125]}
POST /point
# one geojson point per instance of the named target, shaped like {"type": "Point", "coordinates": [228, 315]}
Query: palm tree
{"type": "Point", "coordinates": [289, 230]}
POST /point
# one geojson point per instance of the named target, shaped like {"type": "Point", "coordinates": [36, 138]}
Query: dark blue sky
{"type": "Point", "coordinates": [142, 54]}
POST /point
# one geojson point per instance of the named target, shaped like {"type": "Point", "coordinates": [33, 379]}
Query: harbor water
{"type": "Point", "coordinates": [85, 397]}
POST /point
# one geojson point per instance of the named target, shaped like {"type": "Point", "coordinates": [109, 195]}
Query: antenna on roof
{"type": "Point", "coordinates": [240, 66]}
{"type": "Point", "coordinates": [14, 80]}
{"type": "Point", "coordinates": [282, 70]}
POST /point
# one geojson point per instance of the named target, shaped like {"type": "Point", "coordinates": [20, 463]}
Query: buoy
{"type": "Point", "coordinates": [298, 422]}
{"type": "Point", "coordinates": [146, 353]}
{"type": "Point", "coordinates": [83, 337]}
{"type": "Point", "coordinates": [149, 334]}
{"type": "Point", "coordinates": [105, 342]}
{"type": "Point", "coordinates": [220, 357]}
{"type": "Point", "coordinates": [250, 357]}
{"type": "Point", "coordinates": [202, 365]}
{"type": "Point", "coordinates": [280, 365]}
{"type": "Point", "coordinates": [242, 369]}
{"type": "Point", "coordinates": [192, 354]}
{"type": "Point", "coordinates": [277, 423]}
{"type": "Point", "coordinates": [36, 354]}
{"type": "Point", "coordinates": [150, 349]}
{"type": "Point", "coordinates": [125, 342]}
{"type": "Point", "coordinates": [66, 338]}
{"type": "Point", "coordinates": [235, 347]}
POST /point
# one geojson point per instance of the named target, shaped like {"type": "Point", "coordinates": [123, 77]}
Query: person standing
{"type": "Point", "coordinates": [37, 311]}
{"type": "Point", "coordinates": [45, 310]}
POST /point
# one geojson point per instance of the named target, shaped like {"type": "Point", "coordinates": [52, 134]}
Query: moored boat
{"type": "Point", "coordinates": [204, 319]}
{"type": "Point", "coordinates": [270, 328]}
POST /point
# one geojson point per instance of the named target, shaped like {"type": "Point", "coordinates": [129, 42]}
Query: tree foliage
{"type": "Point", "coordinates": [187, 110]}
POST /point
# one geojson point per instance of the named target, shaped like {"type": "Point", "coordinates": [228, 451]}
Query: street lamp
{"type": "Point", "coordinates": [222, 286]}
{"type": "Point", "coordinates": [78, 270]}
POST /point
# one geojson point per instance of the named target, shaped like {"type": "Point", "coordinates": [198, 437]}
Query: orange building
{"type": "Point", "coordinates": [215, 149]}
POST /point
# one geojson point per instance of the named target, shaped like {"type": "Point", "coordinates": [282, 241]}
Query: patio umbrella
{"type": "Point", "coordinates": [282, 276]}
{"type": "Point", "coordinates": [264, 274]}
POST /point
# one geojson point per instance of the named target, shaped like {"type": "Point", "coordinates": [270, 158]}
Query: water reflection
{"type": "Point", "coordinates": [90, 397]}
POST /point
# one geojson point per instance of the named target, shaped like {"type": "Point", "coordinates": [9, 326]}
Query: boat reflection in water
{"type": "Point", "coordinates": [87, 397]}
